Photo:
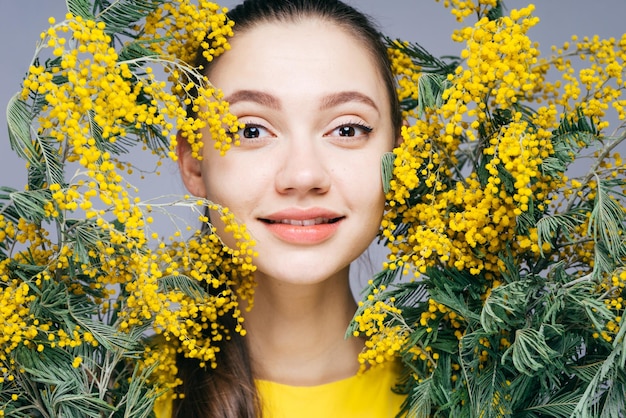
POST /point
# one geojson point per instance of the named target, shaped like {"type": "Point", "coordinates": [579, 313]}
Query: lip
{"type": "Point", "coordinates": [303, 226]}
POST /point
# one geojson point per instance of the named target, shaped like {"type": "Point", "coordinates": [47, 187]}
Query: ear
{"type": "Point", "coordinates": [399, 140]}
{"type": "Point", "coordinates": [190, 168]}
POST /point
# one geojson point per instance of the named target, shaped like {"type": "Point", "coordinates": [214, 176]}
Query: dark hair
{"type": "Point", "coordinates": [229, 390]}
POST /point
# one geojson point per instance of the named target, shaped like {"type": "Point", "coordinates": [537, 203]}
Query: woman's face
{"type": "Point", "coordinates": [306, 178]}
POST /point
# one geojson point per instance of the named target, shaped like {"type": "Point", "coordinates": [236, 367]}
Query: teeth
{"type": "Point", "coordinates": [303, 222]}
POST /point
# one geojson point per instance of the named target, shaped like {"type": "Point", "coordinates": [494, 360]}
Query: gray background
{"type": "Point", "coordinates": [424, 21]}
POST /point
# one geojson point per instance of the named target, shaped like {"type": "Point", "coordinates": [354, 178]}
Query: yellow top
{"type": "Point", "coordinates": [367, 395]}
{"type": "Point", "coordinates": [364, 396]}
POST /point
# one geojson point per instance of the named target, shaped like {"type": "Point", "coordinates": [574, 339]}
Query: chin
{"type": "Point", "coordinates": [301, 274]}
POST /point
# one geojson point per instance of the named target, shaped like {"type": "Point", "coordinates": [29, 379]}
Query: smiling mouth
{"type": "Point", "coordinates": [303, 222]}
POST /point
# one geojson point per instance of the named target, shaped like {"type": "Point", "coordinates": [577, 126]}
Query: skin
{"type": "Point", "coordinates": [318, 122]}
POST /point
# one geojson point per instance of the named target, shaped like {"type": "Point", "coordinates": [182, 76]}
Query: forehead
{"type": "Point", "coordinates": [292, 54]}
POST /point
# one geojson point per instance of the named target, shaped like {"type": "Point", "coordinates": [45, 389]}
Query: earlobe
{"type": "Point", "coordinates": [190, 168]}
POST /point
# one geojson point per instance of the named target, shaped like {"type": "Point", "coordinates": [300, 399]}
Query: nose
{"type": "Point", "coordinates": [302, 170]}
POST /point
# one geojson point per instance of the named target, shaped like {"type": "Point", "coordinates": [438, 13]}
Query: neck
{"type": "Point", "coordinates": [296, 332]}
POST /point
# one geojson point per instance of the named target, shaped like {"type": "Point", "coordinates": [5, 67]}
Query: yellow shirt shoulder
{"type": "Point", "coordinates": [367, 395]}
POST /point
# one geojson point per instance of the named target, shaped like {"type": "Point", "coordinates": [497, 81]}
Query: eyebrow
{"type": "Point", "coordinates": [327, 102]}
{"type": "Point", "coordinates": [336, 99]}
{"type": "Point", "coordinates": [255, 96]}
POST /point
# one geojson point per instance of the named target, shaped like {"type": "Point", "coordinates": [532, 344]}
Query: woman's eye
{"type": "Point", "coordinates": [351, 130]}
{"type": "Point", "coordinates": [251, 131]}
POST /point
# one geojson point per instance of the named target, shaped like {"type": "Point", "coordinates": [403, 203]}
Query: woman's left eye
{"type": "Point", "coordinates": [351, 130]}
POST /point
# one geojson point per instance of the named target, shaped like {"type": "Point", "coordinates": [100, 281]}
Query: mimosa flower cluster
{"type": "Point", "coordinates": [513, 263]}
{"type": "Point", "coordinates": [462, 9]}
{"type": "Point", "coordinates": [84, 280]}
{"type": "Point", "coordinates": [430, 151]}
{"type": "Point", "coordinates": [177, 31]}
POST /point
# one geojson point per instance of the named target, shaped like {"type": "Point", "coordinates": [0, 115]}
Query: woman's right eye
{"type": "Point", "coordinates": [253, 131]}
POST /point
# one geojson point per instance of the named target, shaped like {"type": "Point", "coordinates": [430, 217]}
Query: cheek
{"type": "Point", "coordinates": [234, 183]}
{"type": "Point", "coordinates": [221, 177]}
{"type": "Point", "coordinates": [362, 182]}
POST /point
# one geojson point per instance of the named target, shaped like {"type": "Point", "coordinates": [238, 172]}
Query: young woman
{"type": "Point", "coordinates": [311, 81]}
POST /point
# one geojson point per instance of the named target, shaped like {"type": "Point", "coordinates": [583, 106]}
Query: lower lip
{"type": "Point", "coordinates": [305, 235]}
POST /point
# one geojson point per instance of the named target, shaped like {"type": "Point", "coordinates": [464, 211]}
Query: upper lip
{"type": "Point", "coordinates": [302, 217]}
